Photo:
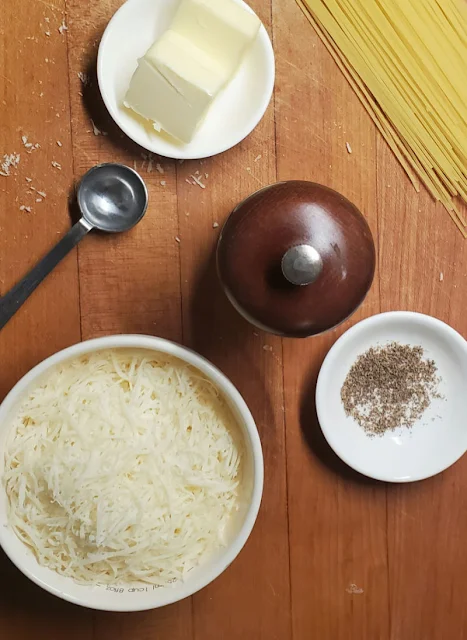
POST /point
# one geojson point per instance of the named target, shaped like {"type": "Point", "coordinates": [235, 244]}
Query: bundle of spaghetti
{"type": "Point", "coordinates": [407, 62]}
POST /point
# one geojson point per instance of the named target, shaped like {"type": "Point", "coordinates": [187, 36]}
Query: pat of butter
{"type": "Point", "coordinates": [221, 28]}
{"type": "Point", "coordinates": [174, 85]}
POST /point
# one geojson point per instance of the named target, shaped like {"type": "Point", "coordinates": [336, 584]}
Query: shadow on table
{"type": "Point", "coordinates": [218, 332]}
{"type": "Point", "coordinates": [215, 326]}
{"type": "Point", "coordinates": [102, 122]}
{"type": "Point", "coordinates": [316, 441]}
{"type": "Point", "coordinates": [19, 594]}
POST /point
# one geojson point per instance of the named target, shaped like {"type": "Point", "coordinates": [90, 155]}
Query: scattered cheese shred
{"type": "Point", "coordinates": [121, 467]}
{"type": "Point", "coordinates": [29, 146]}
{"type": "Point", "coordinates": [198, 181]}
{"type": "Point", "coordinates": [96, 131]}
{"type": "Point", "coordinates": [84, 77]}
{"type": "Point", "coordinates": [9, 160]}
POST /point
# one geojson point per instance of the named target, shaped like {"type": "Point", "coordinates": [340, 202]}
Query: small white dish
{"type": "Point", "coordinates": [137, 597]}
{"type": "Point", "coordinates": [232, 116]}
{"type": "Point", "coordinates": [437, 440]}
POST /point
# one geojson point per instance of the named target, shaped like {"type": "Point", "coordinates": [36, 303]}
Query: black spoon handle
{"type": "Point", "coordinates": [11, 302]}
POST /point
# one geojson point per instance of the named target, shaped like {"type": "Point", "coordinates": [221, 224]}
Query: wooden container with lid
{"type": "Point", "coordinates": [296, 258]}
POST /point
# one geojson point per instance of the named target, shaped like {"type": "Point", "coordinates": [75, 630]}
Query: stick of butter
{"type": "Point", "coordinates": [174, 85]}
{"type": "Point", "coordinates": [181, 74]}
{"type": "Point", "coordinates": [221, 28]}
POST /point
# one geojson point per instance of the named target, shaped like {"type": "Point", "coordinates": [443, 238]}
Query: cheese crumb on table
{"type": "Point", "coordinates": [9, 161]}
{"type": "Point", "coordinates": [96, 131]}
{"type": "Point", "coordinates": [29, 146]}
{"type": "Point", "coordinates": [85, 79]}
{"type": "Point", "coordinates": [198, 181]}
{"type": "Point", "coordinates": [352, 588]}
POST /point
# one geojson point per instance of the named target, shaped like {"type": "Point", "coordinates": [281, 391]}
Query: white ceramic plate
{"type": "Point", "coordinates": [437, 440]}
{"type": "Point", "coordinates": [137, 597]}
{"type": "Point", "coordinates": [233, 115]}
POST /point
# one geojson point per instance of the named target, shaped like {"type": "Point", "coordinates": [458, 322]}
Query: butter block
{"type": "Point", "coordinates": [174, 85]}
{"type": "Point", "coordinates": [222, 29]}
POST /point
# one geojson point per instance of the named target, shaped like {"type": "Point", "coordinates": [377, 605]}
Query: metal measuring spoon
{"type": "Point", "coordinates": [111, 198]}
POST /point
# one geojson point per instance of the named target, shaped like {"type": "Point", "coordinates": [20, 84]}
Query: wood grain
{"type": "Point", "coordinates": [322, 528]}
{"type": "Point", "coordinates": [35, 105]}
{"type": "Point", "coordinates": [128, 283]}
{"type": "Point", "coordinates": [251, 600]}
{"type": "Point", "coordinates": [337, 519]}
{"type": "Point", "coordinates": [426, 520]}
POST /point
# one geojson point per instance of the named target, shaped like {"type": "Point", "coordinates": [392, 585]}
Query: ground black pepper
{"type": "Point", "coordinates": [389, 386]}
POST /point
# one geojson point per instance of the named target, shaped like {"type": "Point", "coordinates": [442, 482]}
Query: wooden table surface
{"type": "Point", "coordinates": [322, 527]}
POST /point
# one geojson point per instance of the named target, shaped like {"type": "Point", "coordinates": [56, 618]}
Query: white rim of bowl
{"type": "Point", "coordinates": [184, 155]}
{"type": "Point", "coordinates": [329, 362]}
{"type": "Point", "coordinates": [139, 341]}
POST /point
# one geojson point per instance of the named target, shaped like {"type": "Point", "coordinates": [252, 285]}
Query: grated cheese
{"type": "Point", "coordinates": [84, 77]}
{"type": "Point", "coordinates": [123, 467]}
{"type": "Point", "coordinates": [198, 181]}
{"type": "Point", "coordinates": [96, 131]}
{"type": "Point", "coordinates": [8, 161]}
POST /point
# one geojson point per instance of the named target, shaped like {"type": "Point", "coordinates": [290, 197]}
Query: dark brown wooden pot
{"type": "Point", "coordinates": [296, 258]}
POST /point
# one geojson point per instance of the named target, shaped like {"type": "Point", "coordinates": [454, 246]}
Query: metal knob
{"type": "Point", "coordinates": [302, 264]}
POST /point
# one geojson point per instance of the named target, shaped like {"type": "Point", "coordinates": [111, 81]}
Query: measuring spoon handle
{"type": "Point", "coordinates": [11, 302]}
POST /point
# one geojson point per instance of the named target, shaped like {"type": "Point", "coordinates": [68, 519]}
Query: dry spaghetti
{"type": "Point", "coordinates": [407, 62]}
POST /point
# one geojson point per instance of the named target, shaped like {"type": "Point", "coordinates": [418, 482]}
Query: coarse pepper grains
{"type": "Point", "coordinates": [389, 386]}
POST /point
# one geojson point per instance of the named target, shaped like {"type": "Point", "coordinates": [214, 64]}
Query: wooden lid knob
{"type": "Point", "coordinates": [296, 258]}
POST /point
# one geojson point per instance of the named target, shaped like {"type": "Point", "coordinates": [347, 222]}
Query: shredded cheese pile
{"type": "Point", "coordinates": [123, 467]}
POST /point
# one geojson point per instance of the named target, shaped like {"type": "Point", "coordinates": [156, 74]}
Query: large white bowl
{"type": "Point", "coordinates": [137, 597]}
{"type": "Point", "coordinates": [437, 440]}
{"type": "Point", "coordinates": [232, 116]}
